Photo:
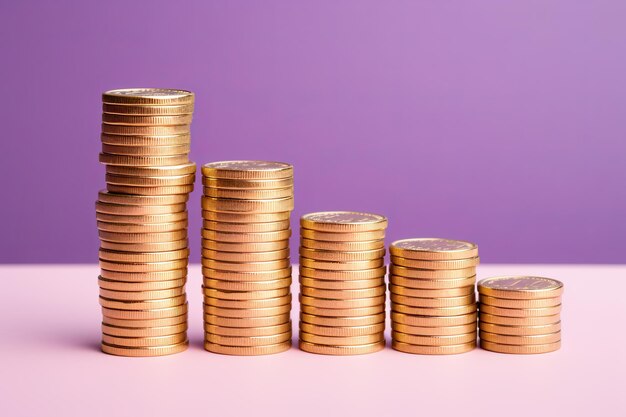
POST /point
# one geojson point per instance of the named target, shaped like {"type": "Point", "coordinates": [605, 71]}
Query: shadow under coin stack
{"type": "Point", "coordinates": [520, 314]}
{"type": "Point", "coordinates": [342, 283]}
{"type": "Point", "coordinates": [142, 220]}
{"type": "Point", "coordinates": [246, 210]}
{"type": "Point", "coordinates": [433, 303]}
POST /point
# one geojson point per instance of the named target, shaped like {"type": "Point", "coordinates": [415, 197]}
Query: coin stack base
{"type": "Point", "coordinates": [342, 288]}
{"type": "Point", "coordinates": [520, 314]}
{"type": "Point", "coordinates": [433, 304]}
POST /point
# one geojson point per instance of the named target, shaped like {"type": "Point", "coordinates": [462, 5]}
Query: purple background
{"type": "Point", "coordinates": [497, 122]}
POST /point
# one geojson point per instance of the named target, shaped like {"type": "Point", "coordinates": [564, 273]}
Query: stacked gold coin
{"type": "Point", "coordinates": [142, 220]}
{"type": "Point", "coordinates": [433, 304]}
{"type": "Point", "coordinates": [342, 283]}
{"type": "Point", "coordinates": [246, 211]}
{"type": "Point", "coordinates": [520, 314]}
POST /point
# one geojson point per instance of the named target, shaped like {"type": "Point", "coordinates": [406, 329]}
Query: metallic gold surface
{"type": "Point", "coordinates": [519, 321]}
{"type": "Point", "coordinates": [341, 350]}
{"type": "Point", "coordinates": [431, 274]}
{"type": "Point", "coordinates": [248, 304]}
{"type": "Point", "coordinates": [186, 168]}
{"type": "Point", "coordinates": [144, 341]}
{"type": "Point", "coordinates": [341, 285]}
{"type": "Point", "coordinates": [434, 321]}
{"type": "Point", "coordinates": [127, 140]}
{"type": "Point", "coordinates": [248, 351]}
{"type": "Point", "coordinates": [445, 340]}
{"type": "Point", "coordinates": [166, 150]}
{"type": "Point", "coordinates": [247, 285]}
{"type": "Point", "coordinates": [432, 284]}
{"type": "Point", "coordinates": [342, 237]}
{"type": "Point", "coordinates": [342, 331]}
{"type": "Point", "coordinates": [127, 189]}
{"type": "Point", "coordinates": [248, 331]}
{"type": "Point", "coordinates": [238, 184]}
{"type": "Point", "coordinates": [247, 206]}
{"type": "Point", "coordinates": [261, 237]}
{"type": "Point", "coordinates": [341, 304]}
{"type": "Point", "coordinates": [134, 210]}
{"type": "Point", "coordinates": [245, 313]}
{"type": "Point", "coordinates": [523, 349]}
{"type": "Point", "coordinates": [146, 323]}
{"type": "Point", "coordinates": [520, 330]}
{"type": "Point", "coordinates": [341, 256]}
{"type": "Point", "coordinates": [520, 287]}
{"type": "Point", "coordinates": [243, 194]}
{"type": "Point", "coordinates": [133, 180]}
{"type": "Point", "coordinates": [113, 285]}
{"type": "Point", "coordinates": [246, 276]}
{"type": "Point", "coordinates": [431, 311]}
{"type": "Point", "coordinates": [145, 351]}
{"type": "Point", "coordinates": [118, 237]}
{"type": "Point", "coordinates": [342, 246]}
{"type": "Point", "coordinates": [138, 305]}
{"type": "Point", "coordinates": [245, 227]}
{"type": "Point", "coordinates": [343, 322]}
{"type": "Point", "coordinates": [145, 130]}
{"type": "Point", "coordinates": [246, 322]}
{"type": "Point", "coordinates": [224, 217]}
{"type": "Point", "coordinates": [144, 267]}
{"type": "Point", "coordinates": [436, 265]}
{"type": "Point", "coordinates": [512, 303]}
{"type": "Point", "coordinates": [342, 312]}
{"type": "Point", "coordinates": [145, 219]}
{"type": "Point", "coordinates": [148, 96]}
{"type": "Point", "coordinates": [424, 293]}
{"type": "Point", "coordinates": [520, 312]}
{"type": "Point", "coordinates": [342, 275]}
{"type": "Point", "coordinates": [248, 340]}
{"type": "Point", "coordinates": [257, 170]}
{"type": "Point", "coordinates": [246, 266]}
{"type": "Point", "coordinates": [131, 257]}
{"type": "Point", "coordinates": [245, 256]}
{"type": "Point", "coordinates": [462, 300]}
{"type": "Point", "coordinates": [147, 110]}
{"type": "Point", "coordinates": [245, 247]}
{"type": "Point", "coordinates": [141, 161]}
{"type": "Point", "coordinates": [343, 221]}
{"type": "Point", "coordinates": [435, 331]}
{"type": "Point", "coordinates": [145, 314]}
{"type": "Point", "coordinates": [343, 294]}
{"type": "Point", "coordinates": [141, 295]}
{"type": "Point", "coordinates": [433, 249]}
{"type": "Point", "coordinates": [151, 120]}
{"type": "Point", "coordinates": [342, 266]}
{"type": "Point", "coordinates": [536, 339]}
{"type": "Point", "coordinates": [341, 340]}
{"type": "Point", "coordinates": [433, 350]}
{"type": "Point", "coordinates": [141, 228]}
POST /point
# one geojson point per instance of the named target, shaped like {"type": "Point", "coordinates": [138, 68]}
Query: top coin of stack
{"type": "Point", "coordinates": [433, 304]}
{"type": "Point", "coordinates": [520, 314]}
{"type": "Point", "coordinates": [246, 211]}
{"type": "Point", "coordinates": [142, 220]}
{"type": "Point", "coordinates": [342, 287]}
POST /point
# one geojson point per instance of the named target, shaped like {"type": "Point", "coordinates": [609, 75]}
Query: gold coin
{"type": "Point", "coordinates": [131, 180]}
{"type": "Point", "coordinates": [143, 304]}
{"type": "Point", "coordinates": [145, 351]}
{"type": "Point", "coordinates": [145, 247]}
{"type": "Point", "coordinates": [142, 161]}
{"type": "Point", "coordinates": [421, 293]}
{"type": "Point", "coordinates": [522, 349]}
{"type": "Point", "coordinates": [432, 284]}
{"type": "Point", "coordinates": [246, 266]}
{"type": "Point", "coordinates": [141, 200]}
{"type": "Point", "coordinates": [245, 247]}
{"type": "Point", "coordinates": [243, 194]}
{"type": "Point", "coordinates": [341, 350]}
{"type": "Point", "coordinates": [246, 237]}
{"type": "Point", "coordinates": [144, 276]}
{"type": "Point", "coordinates": [341, 285]}
{"type": "Point", "coordinates": [245, 227]}
{"type": "Point", "coordinates": [342, 275]}
{"type": "Point", "coordinates": [245, 295]}
{"type": "Point", "coordinates": [248, 340]}
{"type": "Point", "coordinates": [138, 211]}
{"type": "Point", "coordinates": [248, 350]}
{"type": "Point", "coordinates": [127, 189]}
{"type": "Point", "coordinates": [342, 237]}
{"type": "Point", "coordinates": [144, 267]}
{"type": "Point", "coordinates": [342, 331]}
{"type": "Point", "coordinates": [146, 219]}
{"type": "Point", "coordinates": [245, 256]}
{"type": "Point", "coordinates": [432, 350]}
{"type": "Point", "coordinates": [248, 331]}
{"type": "Point", "coordinates": [432, 311]}
{"type": "Point", "coordinates": [433, 321]}
{"type": "Point", "coordinates": [342, 246]}
{"type": "Point", "coordinates": [246, 323]}
{"type": "Point", "coordinates": [342, 266]}
{"type": "Point", "coordinates": [187, 168]}
{"type": "Point", "coordinates": [246, 276]}
{"type": "Point", "coordinates": [247, 285]}
{"type": "Point", "coordinates": [247, 170]}
{"type": "Point", "coordinates": [342, 312]}
{"type": "Point", "coordinates": [335, 256]}
{"type": "Point", "coordinates": [538, 339]}
{"type": "Point", "coordinates": [343, 221]}
{"type": "Point", "coordinates": [520, 330]}
{"type": "Point", "coordinates": [258, 303]}
{"type": "Point", "coordinates": [433, 249]}
{"type": "Point", "coordinates": [172, 130]}
{"type": "Point", "coordinates": [451, 264]}
{"type": "Point", "coordinates": [520, 312]}
{"type": "Point", "coordinates": [341, 341]}
{"type": "Point", "coordinates": [448, 340]}
{"type": "Point", "coordinates": [158, 120]}
{"type": "Point", "coordinates": [142, 237]}
{"type": "Point", "coordinates": [247, 206]}
{"type": "Point", "coordinates": [343, 294]}
{"type": "Point", "coordinates": [520, 287]}
{"type": "Point", "coordinates": [147, 110]}
{"type": "Point", "coordinates": [146, 150]}
{"type": "Point", "coordinates": [435, 331]}
{"type": "Point", "coordinates": [344, 322]}
{"type": "Point", "coordinates": [234, 184]}
{"type": "Point", "coordinates": [340, 304]}
{"type": "Point", "coordinates": [223, 217]}
{"type": "Point", "coordinates": [148, 96]}
{"type": "Point", "coordinates": [141, 228]}
{"type": "Point", "coordinates": [247, 313]}
{"type": "Point", "coordinates": [160, 313]}
{"type": "Point", "coordinates": [434, 274]}
{"type": "Point", "coordinates": [141, 295]}
{"type": "Point", "coordinates": [143, 257]}
{"type": "Point", "coordinates": [126, 140]}
{"type": "Point", "coordinates": [459, 301]}
{"type": "Point", "coordinates": [519, 321]}
{"type": "Point", "coordinates": [107, 284]}
{"type": "Point", "coordinates": [147, 323]}
{"type": "Point", "coordinates": [511, 303]}
{"type": "Point", "coordinates": [143, 331]}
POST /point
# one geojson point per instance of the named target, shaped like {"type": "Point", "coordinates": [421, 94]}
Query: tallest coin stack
{"type": "Point", "coordinates": [142, 220]}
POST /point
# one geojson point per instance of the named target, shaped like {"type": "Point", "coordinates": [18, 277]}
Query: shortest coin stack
{"type": "Point", "coordinates": [433, 304]}
{"type": "Point", "coordinates": [342, 287]}
{"type": "Point", "coordinates": [520, 314]}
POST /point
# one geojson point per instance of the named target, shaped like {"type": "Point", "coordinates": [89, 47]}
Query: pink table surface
{"type": "Point", "coordinates": [51, 363]}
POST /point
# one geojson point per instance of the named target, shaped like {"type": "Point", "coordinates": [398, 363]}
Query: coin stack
{"type": "Point", "coordinates": [342, 283]}
{"type": "Point", "coordinates": [433, 304]}
{"type": "Point", "coordinates": [520, 314]}
{"type": "Point", "coordinates": [246, 211]}
{"type": "Point", "coordinates": [142, 220]}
